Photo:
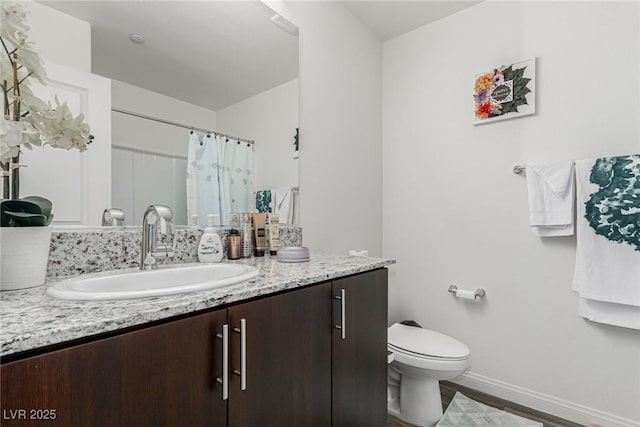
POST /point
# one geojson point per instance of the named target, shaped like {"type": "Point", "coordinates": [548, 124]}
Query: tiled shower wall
{"type": "Point", "coordinates": [140, 179]}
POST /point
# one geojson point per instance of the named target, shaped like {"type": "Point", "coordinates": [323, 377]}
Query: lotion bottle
{"type": "Point", "coordinates": [210, 246]}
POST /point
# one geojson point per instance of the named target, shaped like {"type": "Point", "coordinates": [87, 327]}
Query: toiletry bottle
{"type": "Point", "coordinates": [259, 225]}
{"type": "Point", "coordinates": [273, 237]}
{"type": "Point", "coordinates": [193, 222]}
{"type": "Point", "coordinates": [234, 244]}
{"type": "Point", "coordinates": [210, 246]}
{"type": "Point", "coordinates": [246, 235]}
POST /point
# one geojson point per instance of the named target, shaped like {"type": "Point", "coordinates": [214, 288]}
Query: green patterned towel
{"type": "Point", "coordinates": [264, 201]}
{"type": "Point", "coordinates": [464, 412]}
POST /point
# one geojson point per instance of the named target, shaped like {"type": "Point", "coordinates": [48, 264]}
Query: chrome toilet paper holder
{"type": "Point", "coordinates": [479, 292]}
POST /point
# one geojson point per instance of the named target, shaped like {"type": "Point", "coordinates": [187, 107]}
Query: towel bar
{"type": "Point", "coordinates": [518, 169]}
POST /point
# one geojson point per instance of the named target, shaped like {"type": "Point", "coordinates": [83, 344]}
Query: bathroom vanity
{"type": "Point", "coordinates": [300, 345]}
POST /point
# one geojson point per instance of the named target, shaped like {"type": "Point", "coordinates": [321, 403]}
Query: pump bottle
{"type": "Point", "coordinates": [210, 246]}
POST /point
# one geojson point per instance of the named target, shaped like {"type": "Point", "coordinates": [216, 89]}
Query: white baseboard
{"type": "Point", "coordinates": [542, 402]}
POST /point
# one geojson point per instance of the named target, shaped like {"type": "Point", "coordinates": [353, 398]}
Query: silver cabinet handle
{"type": "Point", "coordinates": [343, 313]}
{"type": "Point", "coordinates": [225, 362]}
{"type": "Point", "coordinates": [243, 354]}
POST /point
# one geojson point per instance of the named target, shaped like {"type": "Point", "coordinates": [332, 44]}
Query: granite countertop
{"type": "Point", "coordinates": [30, 319]}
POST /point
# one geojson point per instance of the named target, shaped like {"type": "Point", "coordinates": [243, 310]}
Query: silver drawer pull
{"type": "Point", "coordinates": [243, 354]}
{"type": "Point", "coordinates": [343, 313]}
{"type": "Point", "coordinates": [225, 362]}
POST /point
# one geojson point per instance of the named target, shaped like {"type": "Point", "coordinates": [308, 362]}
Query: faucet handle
{"type": "Point", "coordinates": [113, 217]}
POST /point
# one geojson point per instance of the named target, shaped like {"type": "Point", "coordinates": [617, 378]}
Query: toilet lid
{"type": "Point", "coordinates": [425, 342]}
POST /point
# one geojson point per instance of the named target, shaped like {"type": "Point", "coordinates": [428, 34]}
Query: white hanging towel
{"type": "Point", "coordinates": [284, 204]}
{"type": "Point", "coordinates": [550, 189]}
{"type": "Point", "coordinates": [608, 238]}
{"type": "Point", "coordinates": [626, 316]}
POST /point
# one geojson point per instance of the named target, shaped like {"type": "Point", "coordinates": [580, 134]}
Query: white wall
{"type": "Point", "coordinates": [455, 213]}
{"type": "Point", "coordinates": [145, 134]}
{"type": "Point", "coordinates": [340, 128]}
{"type": "Point", "coordinates": [270, 119]}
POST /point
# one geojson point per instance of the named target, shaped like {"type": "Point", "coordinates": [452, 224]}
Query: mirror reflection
{"type": "Point", "coordinates": [204, 101]}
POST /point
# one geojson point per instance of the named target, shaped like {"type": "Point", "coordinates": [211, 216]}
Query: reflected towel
{"type": "Point", "coordinates": [550, 189]}
{"type": "Point", "coordinates": [264, 201]}
{"type": "Point", "coordinates": [284, 204]}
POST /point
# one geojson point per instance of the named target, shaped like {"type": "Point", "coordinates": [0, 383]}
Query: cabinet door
{"type": "Point", "coordinates": [288, 360]}
{"type": "Point", "coordinates": [158, 376]}
{"type": "Point", "coordinates": [359, 360]}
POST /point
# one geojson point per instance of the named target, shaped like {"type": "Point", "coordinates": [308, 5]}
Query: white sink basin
{"type": "Point", "coordinates": [167, 280]}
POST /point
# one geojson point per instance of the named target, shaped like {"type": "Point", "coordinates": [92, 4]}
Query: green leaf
{"type": "Point", "coordinates": [22, 219]}
{"type": "Point", "coordinates": [45, 205]}
{"type": "Point", "coordinates": [33, 211]}
{"type": "Point", "coordinates": [507, 108]}
{"type": "Point", "coordinates": [508, 73]}
{"type": "Point", "coordinates": [518, 73]}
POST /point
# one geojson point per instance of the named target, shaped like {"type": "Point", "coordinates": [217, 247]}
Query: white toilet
{"type": "Point", "coordinates": [421, 358]}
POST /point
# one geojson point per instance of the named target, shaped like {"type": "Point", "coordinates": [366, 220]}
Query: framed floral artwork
{"type": "Point", "coordinates": [506, 92]}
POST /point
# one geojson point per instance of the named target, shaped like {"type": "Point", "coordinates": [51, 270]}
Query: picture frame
{"type": "Point", "coordinates": [505, 92]}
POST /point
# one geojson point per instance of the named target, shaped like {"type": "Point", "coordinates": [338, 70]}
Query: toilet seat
{"type": "Point", "coordinates": [405, 352]}
{"type": "Point", "coordinates": [425, 344]}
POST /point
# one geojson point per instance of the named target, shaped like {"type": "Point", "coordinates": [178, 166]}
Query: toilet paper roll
{"type": "Point", "coordinates": [463, 293]}
{"type": "Point", "coordinates": [358, 252]}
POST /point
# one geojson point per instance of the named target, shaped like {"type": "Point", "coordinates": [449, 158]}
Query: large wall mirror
{"type": "Point", "coordinates": [227, 67]}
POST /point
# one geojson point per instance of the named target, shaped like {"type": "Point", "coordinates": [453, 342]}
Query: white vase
{"type": "Point", "coordinates": [24, 252]}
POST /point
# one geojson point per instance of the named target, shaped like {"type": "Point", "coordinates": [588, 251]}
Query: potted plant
{"type": "Point", "coordinates": [25, 240]}
{"type": "Point", "coordinates": [26, 121]}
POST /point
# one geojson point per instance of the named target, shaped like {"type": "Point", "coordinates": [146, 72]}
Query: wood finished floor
{"type": "Point", "coordinates": [448, 390]}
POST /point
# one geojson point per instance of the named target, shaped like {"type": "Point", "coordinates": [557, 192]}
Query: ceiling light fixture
{"type": "Point", "coordinates": [137, 38]}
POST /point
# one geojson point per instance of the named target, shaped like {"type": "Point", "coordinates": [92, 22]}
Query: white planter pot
{"type": "Point", "coordinates": [24, 252]}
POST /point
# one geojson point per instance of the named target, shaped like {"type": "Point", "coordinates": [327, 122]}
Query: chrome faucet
{"type": "Point", "coordinates": [113, 217]}
{"type": "Point", "coordinates": [157, 220]}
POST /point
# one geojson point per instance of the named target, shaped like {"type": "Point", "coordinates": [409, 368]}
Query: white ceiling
{"type": "Point", "coordinates": [217, 53]}
{"type": "Point", "coordinates": [389, 19]}
{"type": "Point", "coordinates": [208, 53]}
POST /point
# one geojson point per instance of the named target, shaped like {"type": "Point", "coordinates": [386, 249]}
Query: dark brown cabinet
{"type": "Point", "coordinates": [286, 366]}
{"type": "Point", "coordinates": [359, 350]}
{"type": "Point", "coordinates": [288, 360]}
{"type": "Point", "coordinates": [162, 375]}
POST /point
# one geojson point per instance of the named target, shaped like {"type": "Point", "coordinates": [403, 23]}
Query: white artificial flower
{"type": "Point", "coordinates": [6, 69]}
{"type": "Point", "coordinates": [30, 59]}
{"type": "Point", "coordinates": [15, 134]}
{"type": "Point", "coordinates": [58, 127]}
{"type": "Point", "coordinates": [30, 135]}
{"type": "Point", "coordinates": [33, 103]}
{"type": "Point", "coordinates": [11, 138]}
{"type": "Point", "coordinates": [40, 123]}
{"type": "Point", "coordinates": [14, 35]}
{"type": "Point", "coordinates": [13, 27]}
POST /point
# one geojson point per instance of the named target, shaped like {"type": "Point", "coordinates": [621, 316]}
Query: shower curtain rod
{"type": "Point", "coordinates": [180, 125]}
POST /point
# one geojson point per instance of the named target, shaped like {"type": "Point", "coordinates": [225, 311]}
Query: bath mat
{"type": "Point", "coordinates": [464, 412]}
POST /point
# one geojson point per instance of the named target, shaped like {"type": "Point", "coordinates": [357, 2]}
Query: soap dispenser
{"type": "Point", "coordinates": [210, 246]}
